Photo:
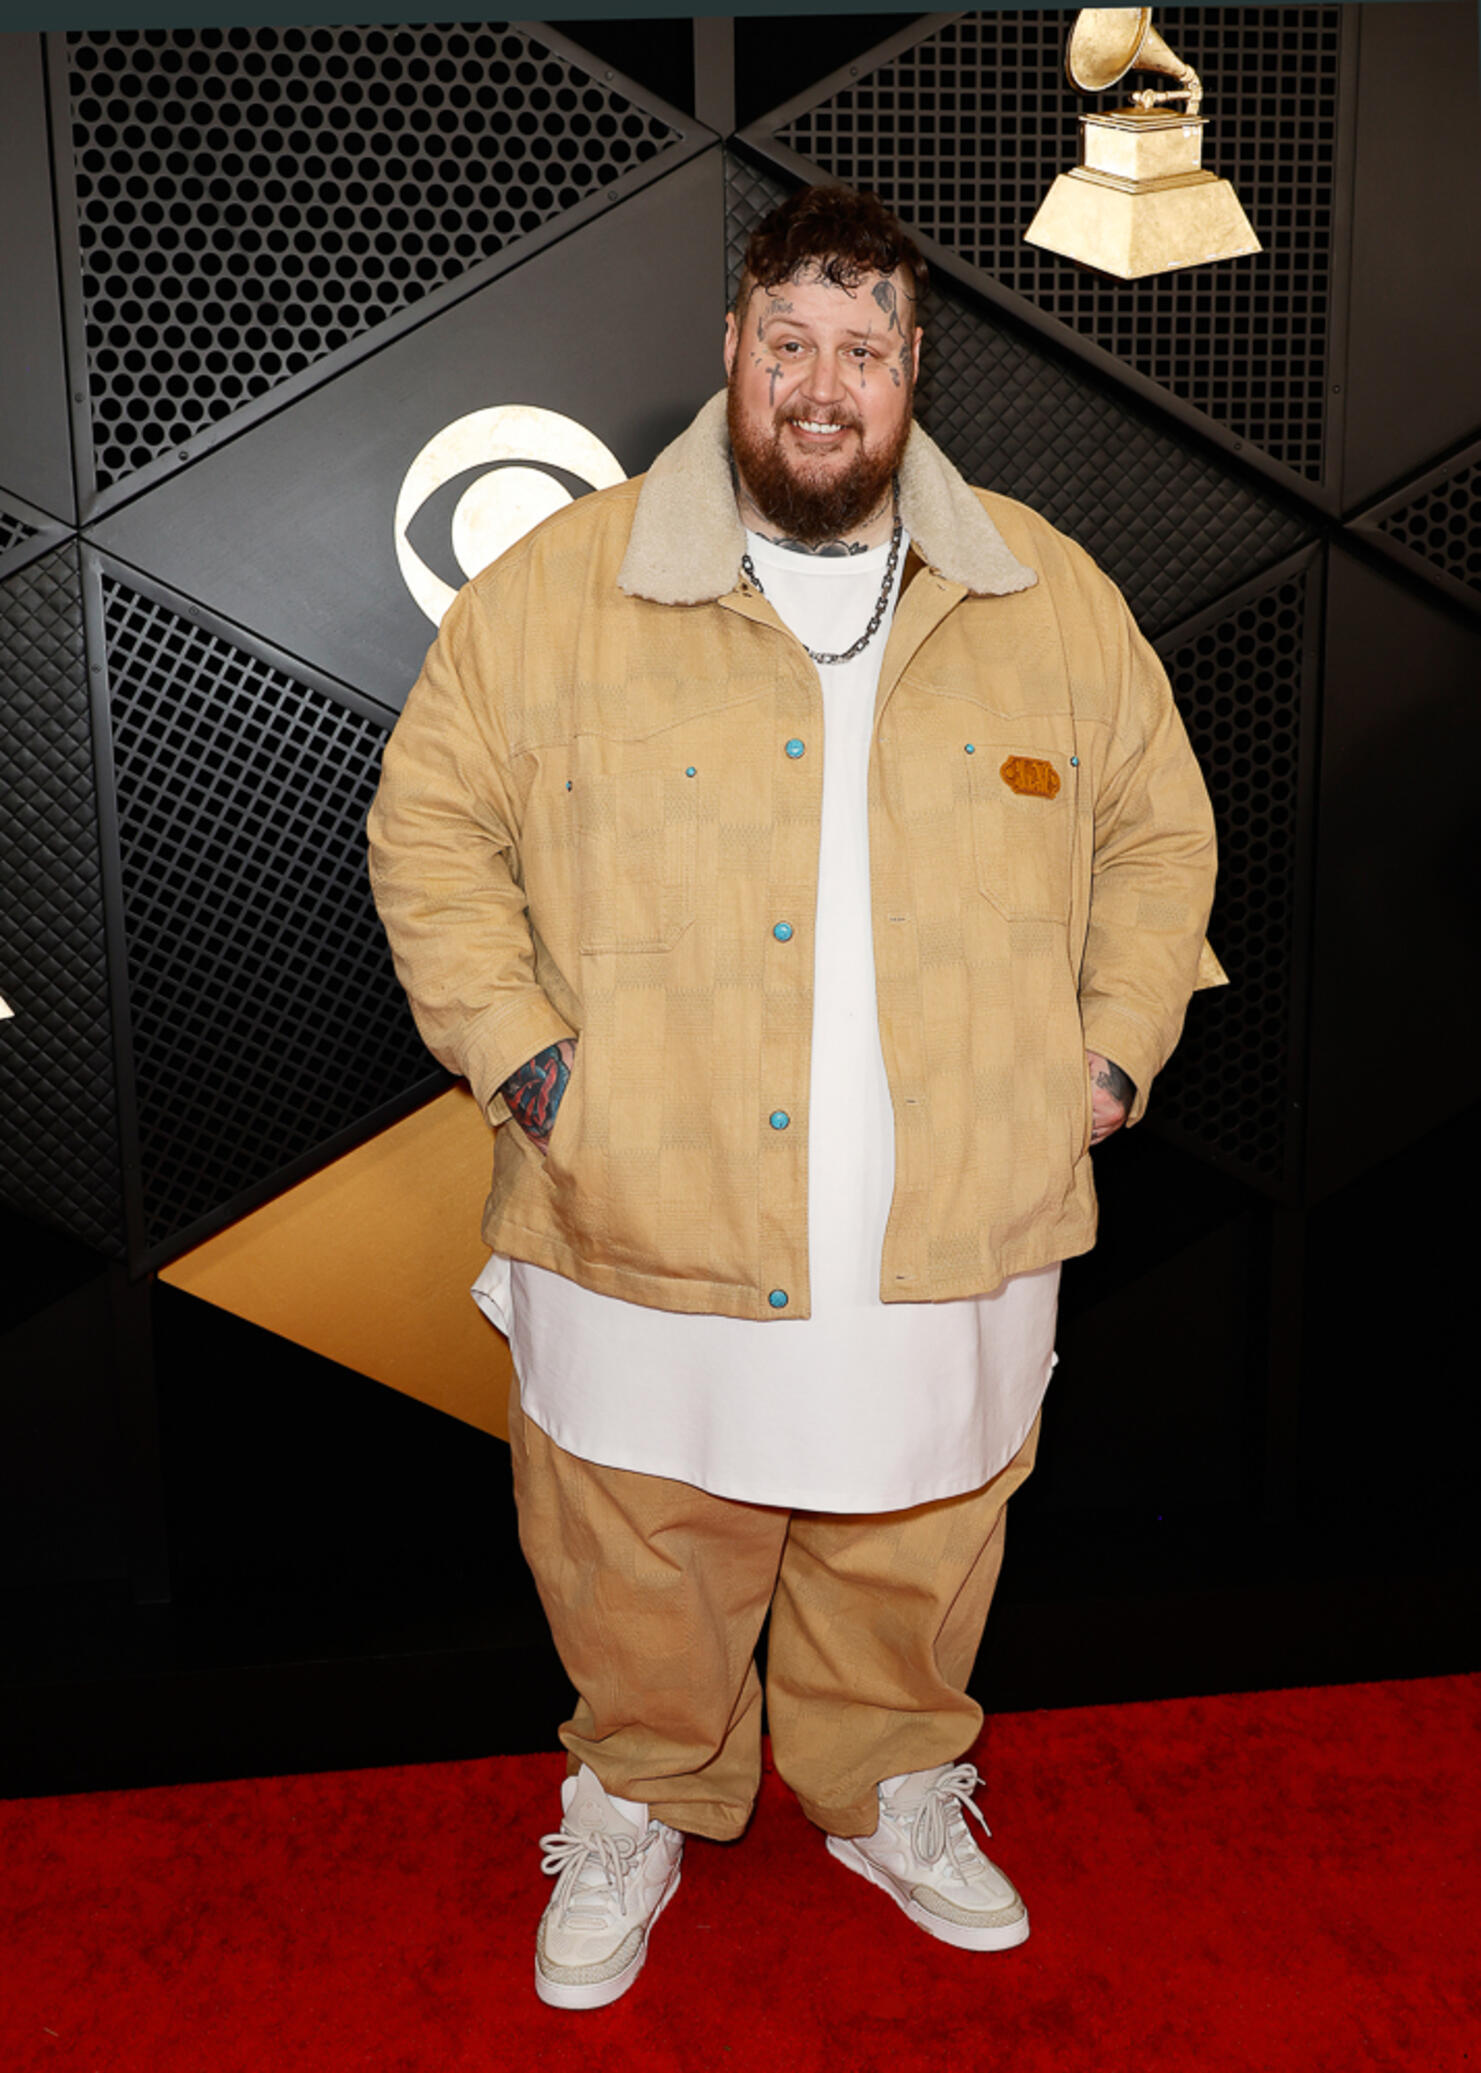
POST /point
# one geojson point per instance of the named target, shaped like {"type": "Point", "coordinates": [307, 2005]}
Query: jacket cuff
{"type": "Point", "coordinates": [501, 1041]}
{"type": "Point", "coordinates": [1127, 1042]}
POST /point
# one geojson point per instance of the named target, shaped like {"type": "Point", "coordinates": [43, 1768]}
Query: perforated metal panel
{"type": "Point", "coordinates": [265, 1013]}
{"type": "Point", "coordinates": [1245, 342]}
{"type": "Point", "coordinates": [58, 1112]}
{"type": "Point", "coordinates": [1440, 527]}
{"type": "Point", "coordinates": [1241, 686]}
{"type": "Point", "coordinates": [249, 200]}
{"type": "Point", "coordinates": [1174, 529]}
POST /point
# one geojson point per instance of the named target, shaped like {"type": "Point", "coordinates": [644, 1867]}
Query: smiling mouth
{"type": "Point", "coordinates": [817, 428]}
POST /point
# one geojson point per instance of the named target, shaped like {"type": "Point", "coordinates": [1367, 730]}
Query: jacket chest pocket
{"type": "Point", "coordinates": [635, 847]}
{"type": "Point", "coordinates": [1023, 823]}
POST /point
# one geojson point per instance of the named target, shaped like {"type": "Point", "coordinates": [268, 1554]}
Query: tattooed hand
{"type": "Point", "coordinates": [534, 1091]}
{"type": "Point", "coordinates": [1111, 1096]}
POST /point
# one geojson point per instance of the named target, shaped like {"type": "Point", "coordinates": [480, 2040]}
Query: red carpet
{"type": "Point", "coordinates": [1282, 1880]}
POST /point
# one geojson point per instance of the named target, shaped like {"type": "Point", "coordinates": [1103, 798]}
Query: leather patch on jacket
{"type": "Point", "coordinates": [1032, 776]}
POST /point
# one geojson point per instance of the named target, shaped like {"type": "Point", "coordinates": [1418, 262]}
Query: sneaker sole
{"type": "Point", "coordinates": [598, 1993]}
{"type": "Point", "coordinates": [1003, 1936]}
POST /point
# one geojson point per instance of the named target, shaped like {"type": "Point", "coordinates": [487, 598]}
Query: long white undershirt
{"type": "Point", "coordinates": [864, 1406]}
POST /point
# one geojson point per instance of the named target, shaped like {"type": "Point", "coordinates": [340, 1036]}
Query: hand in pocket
{"type": "Point", "coordinates": [533, 1091]}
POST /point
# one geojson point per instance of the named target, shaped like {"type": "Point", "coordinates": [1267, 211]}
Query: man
{"type": "Point", "coordinates": [804, 851]}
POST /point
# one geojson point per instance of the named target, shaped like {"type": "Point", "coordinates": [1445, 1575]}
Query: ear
{"type": "Point", "coordinates": [732, 341]}
{"type": "Point", "coordinates": [915, 351]}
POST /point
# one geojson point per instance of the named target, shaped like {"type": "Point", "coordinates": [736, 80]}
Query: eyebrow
{"type": "Point", "coordinates": [801, 324]}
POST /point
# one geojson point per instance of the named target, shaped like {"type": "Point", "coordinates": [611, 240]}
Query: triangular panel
{"type": "Point", "coordinates": [292, 529]}
{"type": "Point", "coordinates": [265, 1018]}
{"type": "Point", "coordinates": [963, 131]}
{"type": "Point", "coordinates": [397, 1215]}
{"type": "Point", "coordinates": [250, 202]}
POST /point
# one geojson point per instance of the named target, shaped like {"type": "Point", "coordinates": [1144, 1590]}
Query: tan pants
{"type": "Point", "coordinates": [656, 1592]}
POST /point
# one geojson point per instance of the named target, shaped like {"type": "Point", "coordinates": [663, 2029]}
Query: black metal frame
{"type": "Point", "coordinates": [96, 649]}
{"type": "Point", "coordinates": [714, 73]}
{"type": "Point", "coordinates": [25, 110]}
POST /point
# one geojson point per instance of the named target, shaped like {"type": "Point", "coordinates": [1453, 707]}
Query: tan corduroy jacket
{"type": "Point", "coordinates": [599, 817]}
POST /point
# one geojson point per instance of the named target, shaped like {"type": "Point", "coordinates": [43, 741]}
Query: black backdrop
{"type": "Point", "coordinates": [248, 276]}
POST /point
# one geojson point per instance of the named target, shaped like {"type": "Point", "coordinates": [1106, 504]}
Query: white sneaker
{"type": "Point", "coordinates": [618, 1870]}
{"type": "Point", "coordinates": [927, 1859]}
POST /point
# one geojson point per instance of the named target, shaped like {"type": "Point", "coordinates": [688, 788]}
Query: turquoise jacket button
{"type": "Point", "coordinates": [783, 932]}
{"type": "Point", "coordinates": [796, 748]}
{"type": "Point", "coordinates": [779, 1119]}
{"type": "Point", "coordinates": [778, 1299]}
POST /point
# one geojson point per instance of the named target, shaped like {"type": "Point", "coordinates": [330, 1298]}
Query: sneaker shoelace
{"type": "Point", "coordinates": [939, 1829]}
{"type": "Point", "coordinates": [594, 1868]}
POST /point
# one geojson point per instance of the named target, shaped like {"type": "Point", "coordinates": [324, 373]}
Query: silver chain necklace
{"type": "Point", "coordinates": [876, 618]}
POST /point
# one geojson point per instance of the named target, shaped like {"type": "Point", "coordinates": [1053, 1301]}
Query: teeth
{"type": "Point", "coordinates": [810, 425]}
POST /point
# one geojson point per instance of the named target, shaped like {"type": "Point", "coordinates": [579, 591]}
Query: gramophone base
{"type": "Point", "coordinates": [1130, 228]}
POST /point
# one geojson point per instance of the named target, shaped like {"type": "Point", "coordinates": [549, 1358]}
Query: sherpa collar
{"type": "Point", "coordinates": [687, 538]}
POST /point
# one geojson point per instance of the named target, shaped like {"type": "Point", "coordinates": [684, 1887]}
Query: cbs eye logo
{"type": "Point", "coordinates": [516, 455]}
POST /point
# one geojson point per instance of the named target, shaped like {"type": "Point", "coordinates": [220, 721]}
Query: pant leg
{"type": "Point", "coordinates": [655, 1592]}
{"type": "Point", "coordinates": [874, 1631]}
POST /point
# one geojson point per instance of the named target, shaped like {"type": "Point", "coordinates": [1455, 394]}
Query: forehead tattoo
{"type": "Point", "coordinates": [779, 307]}
{"type": "Point", "coordinates": [888, 300]}
{"type": "Point", "coordinates": [884, 293]}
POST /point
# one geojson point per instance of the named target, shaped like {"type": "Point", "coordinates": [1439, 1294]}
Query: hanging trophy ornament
{"type": "Point", "coordinates": [1139, 202]}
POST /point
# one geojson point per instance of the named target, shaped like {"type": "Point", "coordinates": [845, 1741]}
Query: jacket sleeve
{"type": "Point", "coordinates": [444, 867]}
{"type": "Point", "coordinates": [1152, 874]}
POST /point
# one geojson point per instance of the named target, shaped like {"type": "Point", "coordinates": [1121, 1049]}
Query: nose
{"type": "Point", "coordinates": [825, 383]}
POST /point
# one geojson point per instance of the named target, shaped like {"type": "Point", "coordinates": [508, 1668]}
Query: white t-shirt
{"type": "Point", "coordinates": [864, 1406]}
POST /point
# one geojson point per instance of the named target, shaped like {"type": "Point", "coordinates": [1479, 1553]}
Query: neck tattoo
{"type": "Point", "coordinates": [876, 617]}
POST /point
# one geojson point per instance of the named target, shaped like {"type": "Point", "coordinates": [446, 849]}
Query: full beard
{"type": "Point", "coordinates": [812, 510]}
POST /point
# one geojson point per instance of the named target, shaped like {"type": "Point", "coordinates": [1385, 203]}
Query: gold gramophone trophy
{"type": "Point", "coordinates": [1139, 202]}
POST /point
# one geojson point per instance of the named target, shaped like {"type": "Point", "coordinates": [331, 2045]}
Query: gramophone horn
{"type": "Point", "coordinates": [1108, 42]}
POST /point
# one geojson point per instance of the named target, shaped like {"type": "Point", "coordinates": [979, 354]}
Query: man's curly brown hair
{"type": "Point", "coordinates": [841, 235]}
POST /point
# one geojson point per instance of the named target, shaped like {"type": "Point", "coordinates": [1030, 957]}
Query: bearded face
{"type": "Point", "coordinates": [821, 382]}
